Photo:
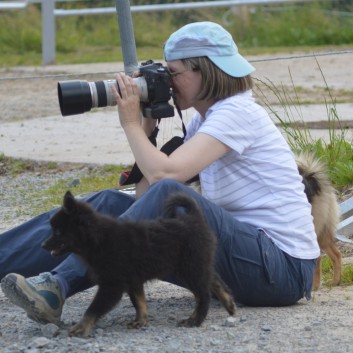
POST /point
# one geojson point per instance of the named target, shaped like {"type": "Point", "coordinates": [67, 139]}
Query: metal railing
{"type": "Point", "coordinates": [13, 5]}
{"type": "Point", "coordinates": [49, 13]}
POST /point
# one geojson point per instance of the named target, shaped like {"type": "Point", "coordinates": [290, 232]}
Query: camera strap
{"type": "Point", "coordinates": [135, 175]}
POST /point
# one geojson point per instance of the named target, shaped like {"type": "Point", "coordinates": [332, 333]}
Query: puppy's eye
{"type": "Point", "coordinates": [57, 232]}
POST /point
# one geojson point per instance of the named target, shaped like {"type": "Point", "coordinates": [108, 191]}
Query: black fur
{"type": "Point", "coordinates": [123, 255]}
{"type": "Point", "coordinates": [312, 186]}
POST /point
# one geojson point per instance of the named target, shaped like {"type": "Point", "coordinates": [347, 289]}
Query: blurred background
{"type": "Point", "coordinates": [302, 51]}
{"type": "Point", "coordinates": [263, 27]}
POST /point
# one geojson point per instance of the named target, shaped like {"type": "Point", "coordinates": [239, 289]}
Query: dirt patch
{"type": "Point", "coordinates": [11, 166]}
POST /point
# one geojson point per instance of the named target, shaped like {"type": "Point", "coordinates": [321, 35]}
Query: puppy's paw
{"type": "Point", "coordinates": [190, 322]}
{"type": "Point", "coordinates": [81, 329]}
{"type": "Point", "coordinates": [136, 324]}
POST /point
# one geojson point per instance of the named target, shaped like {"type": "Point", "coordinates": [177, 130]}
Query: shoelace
{"type": "Point", "coordinates": [41, 279]}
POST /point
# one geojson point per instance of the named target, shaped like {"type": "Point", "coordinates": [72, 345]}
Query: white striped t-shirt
{"type": "Point", "coordinates": [258, 180]}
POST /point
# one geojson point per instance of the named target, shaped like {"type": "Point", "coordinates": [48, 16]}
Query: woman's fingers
{"type": "Point", "coordinates": [128, 100]}
{"type": "Point", "coordinates": [126, 85]}
{"type": "Point", "coordinates": [126, 89]}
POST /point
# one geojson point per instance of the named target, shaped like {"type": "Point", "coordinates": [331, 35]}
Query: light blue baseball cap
{"type": "Point", "coordinates": [211, 40]}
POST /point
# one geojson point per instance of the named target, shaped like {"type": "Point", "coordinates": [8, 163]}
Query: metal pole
{"type": "Point", "coordinates": [127, 38]}
{"type": "Point", "coordinates": [48, 32]}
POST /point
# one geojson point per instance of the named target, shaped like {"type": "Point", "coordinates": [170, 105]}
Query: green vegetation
{"type": "Point", "coordinates": [49, 195]}
{"type": "Point", "coordinates": [327, 272]}
{"type": "Point", "coordinates": [99, 179]}
{"type": "Point", "coordinates": [83, 39]}
{"type": "Point", "coordinates": [13, 166]}
{"type": "Point", "coordinates": [309, 24]}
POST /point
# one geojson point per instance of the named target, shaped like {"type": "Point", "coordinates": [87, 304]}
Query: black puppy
{"type": "Point", "coordinates": [122, 255]}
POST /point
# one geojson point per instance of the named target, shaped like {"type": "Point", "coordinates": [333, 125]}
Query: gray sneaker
{"type": "Point", "coordinates": [39, 296]}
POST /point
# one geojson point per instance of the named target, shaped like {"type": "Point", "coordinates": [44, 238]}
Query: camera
{"type": "Point", "coordinates": [78, 96]}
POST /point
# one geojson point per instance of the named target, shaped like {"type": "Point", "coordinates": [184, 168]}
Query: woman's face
{"type": "Point", "coordinates": [186, 84]}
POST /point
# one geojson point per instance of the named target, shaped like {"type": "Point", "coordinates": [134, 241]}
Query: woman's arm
{"type": "Point", "coordinates": [185, 162]}
{"type": "Point", "coordinates": [141, 187]}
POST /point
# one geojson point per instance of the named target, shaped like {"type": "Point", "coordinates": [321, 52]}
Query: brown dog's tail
{"type": "Point", "coordinates": [180, 203]}
{"type": "Point", "coordinates": [314, 174]}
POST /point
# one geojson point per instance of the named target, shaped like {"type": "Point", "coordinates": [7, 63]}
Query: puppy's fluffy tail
{"type": "Point", "coordinates": [315, 178]}
{"type": "Point", "coordinates": [180, 203]}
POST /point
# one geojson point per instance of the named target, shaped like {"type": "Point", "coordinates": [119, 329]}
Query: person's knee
{"type": "Point", "coordinates": [110, 201]}
{"type": "Point", "coordinates": [166, 186]}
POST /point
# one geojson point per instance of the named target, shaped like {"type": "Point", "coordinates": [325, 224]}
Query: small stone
{"type": "Point", "coordinates": [266, 328]}
{"type": "Point", "coordinates": [39, 342]}
{"type": "Point", "coordinates": [50, 330]}
{"type": "Point", "coordinates": [215, 328]}
{"type": "Point", "coordinates": [230, 322]}
{"type": "Point", "coordinates": [243, 318]}
{"type": "Point", "coordinates": [215, 342]}
{"type": "Point", "coordinates": [74, 182]}
{"type": "Point", "coordinates": [173, 347]}
{"type": "Point", "coordinates": [99, 331]}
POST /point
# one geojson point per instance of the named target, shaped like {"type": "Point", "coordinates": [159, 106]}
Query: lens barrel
{"type": "Point", "coordinates": [74, 97]}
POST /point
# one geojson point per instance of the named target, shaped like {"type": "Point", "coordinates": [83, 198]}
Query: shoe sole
{"type": "Point", "coordinates": [17, 297]}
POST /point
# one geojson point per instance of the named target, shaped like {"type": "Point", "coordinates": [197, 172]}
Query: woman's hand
{"type": "Point", "coordinates": [128, 100]}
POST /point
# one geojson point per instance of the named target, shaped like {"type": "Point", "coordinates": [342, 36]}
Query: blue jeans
{"type": "Point", "coordinates": [255, 269]}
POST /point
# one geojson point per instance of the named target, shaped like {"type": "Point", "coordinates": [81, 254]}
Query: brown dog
{"type": "Point", "coordinates": [123, 255]}
{"type": "Point", "coordinates": [325, 212]}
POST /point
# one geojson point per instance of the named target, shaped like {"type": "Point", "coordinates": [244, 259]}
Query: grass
{"type": "Point", "coordinates": [304, 24]}
{"type": "Point", "coordinates": [327, 272]}
{"type": "Point", "coordinates": [103, 178]}
{"type": "Point", "coordinates": [84, 39]}
{"type": "Point", "coordinates": [32, 200]}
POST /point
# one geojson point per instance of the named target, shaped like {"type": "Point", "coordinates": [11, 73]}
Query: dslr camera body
{"type": "Point", "coordinates": [78, 96]}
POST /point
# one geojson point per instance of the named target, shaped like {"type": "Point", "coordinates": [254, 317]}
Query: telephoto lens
{"type": "Point", "coordinates": [78, 96]}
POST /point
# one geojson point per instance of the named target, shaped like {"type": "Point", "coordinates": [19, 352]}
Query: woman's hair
{"type": "Point", "coordinates": [216, 84]}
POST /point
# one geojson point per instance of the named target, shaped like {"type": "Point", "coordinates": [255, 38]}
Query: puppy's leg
{"type": "Point", "coordinates": [138, 299]}
{"type": "Point", "coordinates": [200, 312]}
{"type": "Point", "coordinates": [317, 274]}
{"type": "Point", "coordinates": [222, 292]}
{"type": "Point", "coordinates": [201, 290]}
{"type": "Point", "coordinates": [104, 301]}
{"type": "Point", "coordinates": [335, 255]}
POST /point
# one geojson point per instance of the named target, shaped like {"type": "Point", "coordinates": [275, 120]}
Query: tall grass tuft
{"type": "Point", "coordinates": [336, 152]}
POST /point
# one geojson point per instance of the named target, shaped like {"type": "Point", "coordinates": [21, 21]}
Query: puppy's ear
{"type": "Point", "coordinates": [69, 203]}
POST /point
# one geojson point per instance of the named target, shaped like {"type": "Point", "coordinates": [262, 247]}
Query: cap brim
{"type": "Point", "coordinates": [234, 65]}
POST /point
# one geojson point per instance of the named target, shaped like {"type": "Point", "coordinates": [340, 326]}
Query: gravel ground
{"type": "Point", "coordinates": [323, 324]}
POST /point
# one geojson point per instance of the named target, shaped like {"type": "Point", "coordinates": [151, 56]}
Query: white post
{"type": "Point", "coordinates": [48, 32]}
